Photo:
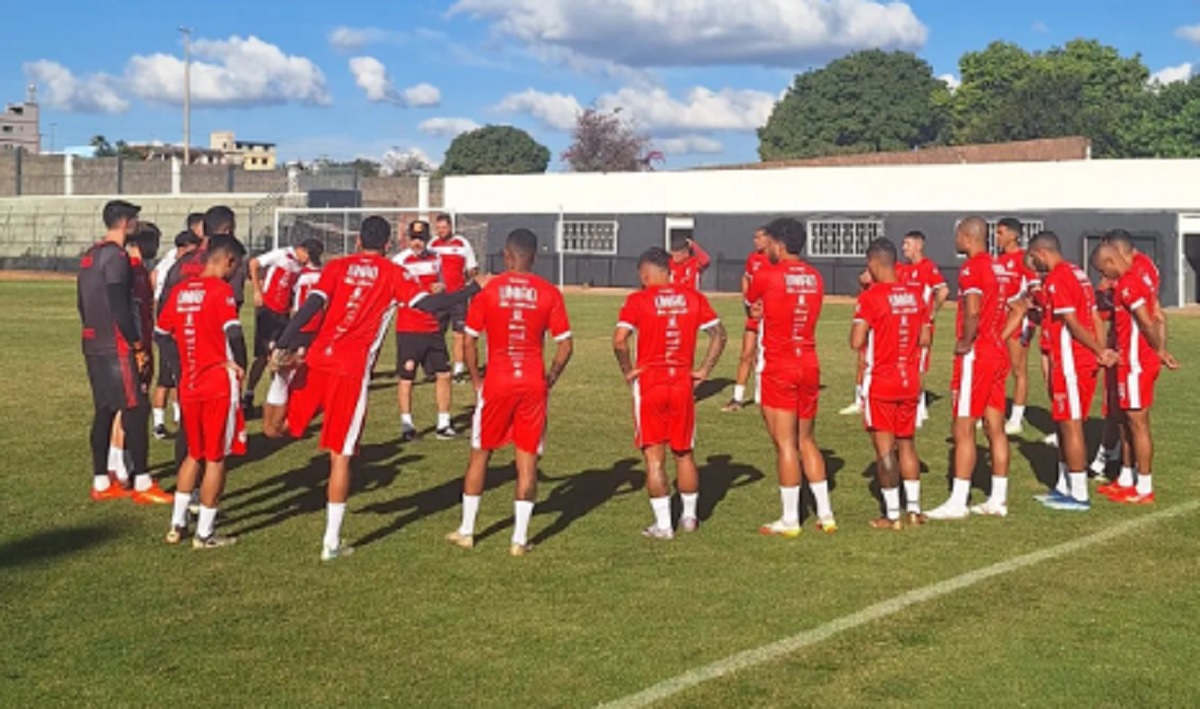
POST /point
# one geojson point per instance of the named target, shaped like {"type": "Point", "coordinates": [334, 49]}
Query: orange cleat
{"type": "Point", "coordinates": [1114, 490]}
{"type": "Point", "coordinates": [1131, 497]}
{"type": "Point", "coordinates": [114, 492]}
{"type": "Point", "coordinates": [152, 496]}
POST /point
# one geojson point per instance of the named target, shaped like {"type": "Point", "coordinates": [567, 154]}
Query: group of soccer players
{"type": "Point", "coordinates": [321, 329]}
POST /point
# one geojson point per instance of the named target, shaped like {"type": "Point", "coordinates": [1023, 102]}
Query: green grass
{"type": "Point", "coordinates": [96, 610]}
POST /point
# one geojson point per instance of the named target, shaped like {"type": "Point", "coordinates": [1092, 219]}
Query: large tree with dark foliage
{"type": "Point", "coordinates": [495, 150]}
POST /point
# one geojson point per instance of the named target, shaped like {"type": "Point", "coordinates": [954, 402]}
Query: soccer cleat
{"type": "Point", "coordinates": [516, 550]}
{"type": "Point", "coordinates": [446, 434]}
{"type": "Point", "coordinates": [1051, 440]}
{"type": "Point", "coordinates": [1099, 466]}
{"type": "Point", "coordinates": [408, 435]}
{"type": "Point", "coordinates": [884, 524]}
{"type": "Point", "coordinates": [1049, 495]}
{"type": "Point", "coordinates": [689, 524]}
{"type": "Point", "coordinates": [176, 535]}
{"type": "Point", "coordinates": [733, 406]}
{"type": "Point", "coordinates": [160, 432]}
{"type": "Point", "coordinates": [915, 519]}
{"type": "Point", "coordinates": [115, 491]}
{"type": "Point", "coordinates": [779, 528]}
{"type": "Point", "coordinates": [949, 511]}
{"type": "Point", "coordinates": [852, 410]}
{"type": "Point", "coordinates": [827, 526]}
{"type": "Point", "coordinates": [990, 509]}
{"type": "Point", "coordinates": [463, 541]}
{"type": "Point", "coordinates": [341, 551]}
{"type": "Point", "coordinates": [154, 495]}
{"type": "Point", "coordinates": [462, 378]}
{"type": "Point", "coordinates": [1115, 490]}
{"type": "Point", "coordinates": [1133, 498]}
{"type": "Point", "coordinates": [656, 532]}
{"type": "Point", "coordinates": [212, 541]}
{"type": "Point", "coordinates": [1014, 428]}
{"type": "Point", "coordinates": [1064, 503]}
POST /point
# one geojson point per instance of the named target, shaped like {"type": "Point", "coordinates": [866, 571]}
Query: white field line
{"type": "Point", "coordinates": [773, 651]}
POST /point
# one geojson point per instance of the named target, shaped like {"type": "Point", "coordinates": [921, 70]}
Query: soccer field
{"type": "Point", "coordinates": [96, 610]}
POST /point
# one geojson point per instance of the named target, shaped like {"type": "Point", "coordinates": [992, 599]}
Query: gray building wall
{"type": "Point", "coordinates": [20, 128]}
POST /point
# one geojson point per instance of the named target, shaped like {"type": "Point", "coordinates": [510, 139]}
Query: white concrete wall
{"type": "Point", "coordinates": [1094, 184]}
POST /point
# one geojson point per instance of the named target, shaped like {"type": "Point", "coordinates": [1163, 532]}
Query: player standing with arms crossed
{"type": "Point", "coordinates": [892, 328]}
{"type": "Point", "coordinates": [458, 267]}
{"type": "Point", "coordinates": [751, 356]}
{"type": "Point", "coordinates": [923, 273]}
{"type": "Point", "coordinates": [665, 319]}
{"type": "Point", "coordinates": [1019, 280]}
{"type": "Point", "coordinates": [515, 311]}
{"type": "Point", "coordinates": [792, 293]}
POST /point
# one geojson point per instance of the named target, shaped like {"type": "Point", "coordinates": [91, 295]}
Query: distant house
{"type": "Point", "coordinates": [249, 154]}
{"type": "Point", "coordinates": [19, 125]}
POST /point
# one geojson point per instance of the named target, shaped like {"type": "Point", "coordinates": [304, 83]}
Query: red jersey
{"type": "Point", "coordinates": [426, 269]}
{"type": "Point", "coordinates": [666, 320]}
{"type": "Point", "coordinates": [1068, 290]}
{"type": "Point", "coordinates": [978, 276]}
{"type": "Point", "coordinates": [792, 293]}
{"type": "Point", "coordinates": [1017, 278]}
{"type": "Point", "coordinates": [923, 274]}
{"type": "Point", "coordinates": [143, 300]}
{"type": "Point", "coordinates": [361, 292]}
{"type": "Point", "coordinates": [458, 261]}
{"type": "Point", "coordinates": [304, 285]}
{"type": "Point", "coordinates": [197, 315]}
{"type": "Point", "coordinates": [688, 271]}
{"type": "Point", "coordinates": [1145, 266]}
{"type": "Point", "coordinates": [755, 262]}
{"type": "Point", "coordinates": [1132, 291]}
{"type": "Point", "coordinates": [515, 311]}
{"type": "Point", "coordinates": [895, 314]}
{"type": "Point", "coordinates": [282, 271]}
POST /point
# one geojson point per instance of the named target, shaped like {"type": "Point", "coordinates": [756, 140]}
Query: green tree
{"type": "Point", "coordinates": [103, 148]}
{"type": "Point", "coordinates": [1167, 124]}
{"type": "Point", "coordinates": [495, 150]}
{"type": "Point", "coordinates": [866, 102]}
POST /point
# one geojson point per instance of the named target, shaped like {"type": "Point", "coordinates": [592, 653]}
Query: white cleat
{"type": "Point", "coordinates": [1051, 440]}
{"type": "Point", "coordinates": [949, 511]}
{"type": "Point", "coordinates": [689, 524]}
{"type": "Point", "coordinates": [656, 532]}
{"type": "Point", "coordinates": [1014, 428]}
{"type": "Point", "coordinates": [463, 541]}
{"type": "Point", "coordinates": [990, 509]}
{"type": "Point", "coordinates": [518, 550]}
{"type": "Point", "coordinates": [341, 551]}
{"type": "Point", "coordinates": [852, 410]}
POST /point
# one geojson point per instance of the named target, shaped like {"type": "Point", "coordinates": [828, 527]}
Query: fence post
{"type": "Point", "coordinates": [68, 174]}
{"type": "Point", "coordinates": [120, 175]}
{"type": "Point", "coordinates": [229, 179]}
{"type": "Point", "coordinates": [558, 246]}
{"type": "Point", "coordinates": [293, 179]}
{"type": "Point", "coordinates": [17, 171]}
{"type": "Point", "coordinates": [423, 195]}
{"type": "Point", "coordinates": [176, 175]}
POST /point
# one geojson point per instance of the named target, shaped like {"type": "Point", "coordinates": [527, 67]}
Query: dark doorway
{"type": "Point", "coordinates": [1191, 266]}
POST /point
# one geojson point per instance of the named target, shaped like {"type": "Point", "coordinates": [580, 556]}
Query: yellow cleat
{"type": "Point", "coordinates": [463, 541]}
{"type": "Point", "coordinates": [915, 519]}
{"type": "Point", "coordinates": [883, 523]}
{"type": "Point", "coordinates": [779, 529]}
{"type": "Point", "coordinates": [828, 526]}
{"type": "Point", "coordinates": [516, 550]}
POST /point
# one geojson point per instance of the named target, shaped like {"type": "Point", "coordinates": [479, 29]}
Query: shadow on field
{"type": "Point", "coordinates": [871, 475]}
{"type": "Point", "coordinates": [718, 476]}
{"type": "Point", "coordinates": [45, 546]}
{"type": "Point", "coordinates": [833, 466]}
{"type": "Point", "coordinates": [302, 491]}
{"type": "Point", "coordinates": [442, 498]}
{"type": "Point", "coordinates": [711, 388]}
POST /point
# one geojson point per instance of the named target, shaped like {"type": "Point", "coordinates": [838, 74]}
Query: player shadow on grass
{"type": "Point", "coordinates": [1043, 458]}
{"type": "Point", "coordinates": [712, 387]}
{"type": "Point", "coordinates": [302, 491]}
{"type": "Point", "coordinates": [718, 475]}
{"type": "Point", "coordinates": [41, 547]}
{"type": "Point", "coordinates": [833, 466]}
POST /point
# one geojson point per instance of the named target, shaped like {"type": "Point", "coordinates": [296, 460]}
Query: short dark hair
{"type": "Point", "coordinates": [1046, 240]}
{"type": "Point", "coordinates": [915, 234]}
{"type": "Point", "coordinates": [219, 219]}
{"type": "Point", "coordinates": [522, 242]}
{"type": "Point", "coordinates": [118, 210]}
{"type": "Point", "coordinates": [679, 242]}
{"type": "Point", "coordinates": [1120, 238]}
{"type": "Point", "coordinates": [882, 250]}
{"type": "Point", "coordinates": [194, 218]}
{"type": "Point", "coordinates": [375, 233]}
{"type": "Point", "coordinates": [1011, 223]}
{"type": "Point", "coordinates": [443, 217]}
{"type": "Point", "coordinates": [224, 244]}
{"type": "Point", "coordinates": [147, 239]}
{"type": "Point", "coordinates": [656, 256]}
{"type": "Point", "coordinates": [315, 249]}
{"type": "Point", "coordinates": [790, 232]}
{"type": "Point", "coordinates": [186, 238]}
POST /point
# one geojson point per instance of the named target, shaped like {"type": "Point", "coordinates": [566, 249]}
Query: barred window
{"type": "Point", "coordinates": [590, 237]}
{"type": "Point", "coordinates": [842, 237]}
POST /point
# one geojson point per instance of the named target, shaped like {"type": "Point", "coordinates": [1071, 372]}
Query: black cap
{"type": "Point", "coordinates": [419, 229]}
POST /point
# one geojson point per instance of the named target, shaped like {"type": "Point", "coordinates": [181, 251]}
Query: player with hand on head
{"type": "Point", "coordinates": [201, 316]}
{"type": "Point", "coordinates": [1018, 280]}
{"type": "Point", "coordinates": [922, 272]}
{"type": "Point", "coordinates": [980, 370]}
{"type": "Point", "coordinates": [356, 296]}
{"type": "Point", "coordinates": [515, 312]}
{"type": "Point", "coordinates": [792, 293]}
{"type": "Point", "coordinates": [751, 356]}
{"type": "Point", "coordinates": [458, 267]}
{"type": "Point", "coordinates": [891, 328]}
{"type": "Point", "coordinates": [665, 319]}
{"type": "Point", "coordinates": [185, 242]}
{"type": "Point", "coordinates": [688, 261]}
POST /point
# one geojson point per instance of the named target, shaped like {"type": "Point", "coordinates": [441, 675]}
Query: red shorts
{"type": "Point", "coordinates": [977, 385]}
{"type": "Point", "coordinates": [896, 417]}
{"type": "Point", "coordinates": [1071, 393]}
{"type": "Point", "coordinates": [792, 388]}
{"type": "Point", "coordinates": [752, 325]}
{"type": "Point", "coordinates": [341, 398]}
{"type": "Point", "coordinates": [504, 414]}
{"type": "Point", "coordinates": [1135, 390]}
{"type": "Point", "coordinates": [214, 428]}
{"type": "Point", "coordinates": [665, 412]}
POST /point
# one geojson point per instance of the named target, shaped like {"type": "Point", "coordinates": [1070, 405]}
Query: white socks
{"type": "Point", "coordinates": [858, 395]}
{"type": "Point", "coordinates": [1079, 486]}
{"type": "Point", "coordinates": [116, 464]}
{"type": "Point", "coordinates": [662, 512]}
{"type": "Point", "coordinates": [922, 408]}
{"type": "Point", "coordinates": [335, 512]}
{"type": "Point", "coordinates": [960, 493]}
{"type": "Point", "coordinates": [1063, 487]}
{"type": "Point", "coordinates": [470, 510]}
{"type": "Point", "coordinates": [443, 421]}
{"type": "Point", "coordinates": [1145, 484]}
{"type": "Point", "coordinates": [208, 522]}
{"type": "Point", "coordinates": [891, 502]}
{"type": "Point", "coordinates": [820, 492]}
{"type": "Point", "coordinates": [999, 491]}
{"type": "Point", "coordinates": [790, 496]}
{"type": "Point", "coordinates": [912, 495]}
{"type": "Point", "coordinates": [143, 482]}
{"type": "Point", "coordinates": [1018, 414]}
{"type": "Point", "coordinates": [739, 392]}
{"type": "Point", "coordinates": [459, 368]}
{"type": "Point", "coordinates": [689, 500]}
{"type": "Point", "coordinates": [100, 483]}
{"type": "Point", "coordinates": [277, 394]}
{"type": "Point", "coordinates": [406, 420]}
{"type": "Point", "coordinates": [176, 411]}
{"type": "Point", "coordinates": [1126, 479]}
{"type": "Point", "coordinates": [160, 417]}
{"type": "Point", "coordinates": [179, 514]}
{"type": "Point", "coordinates": [523, 512]}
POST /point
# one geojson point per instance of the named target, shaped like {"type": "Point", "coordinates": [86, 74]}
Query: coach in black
{"type": "Point", "coordinates": [117, 361]}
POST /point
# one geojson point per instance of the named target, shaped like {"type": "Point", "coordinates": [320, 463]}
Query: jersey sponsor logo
{"type": "Point", "coordinates": [673, 301]}
{"type": "Point", "coordinates": [800, 281]}
{"type": "Point", "coordinates": [191, 297]}
{"type": "Point", "coordinates": [902, 301]}
{"type": "Point", "coordinates": [523, 294]}
{"type": "Point", "coordinates": [362, 271]}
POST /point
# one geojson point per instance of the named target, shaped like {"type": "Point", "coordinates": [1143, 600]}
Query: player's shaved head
{"type": "Point", "coordinates": [882, 251]}
{"type": "Point", "coordinates": [970, 238]}
{"type": "Point", "coordinates": [375, 234]}
{"type": "Point", "coordinates": [219, 220]}
{"type": "Point", "coordinates": [1109, 261]}
{"type": "Point", "coordinates": [520, 249]}
{"type": "Point", "coordinates": [1119, 238]}
{"type": "Point", "coordinates": [1046, 241]}
{"type": "Point", "coordinates": [657, 257]}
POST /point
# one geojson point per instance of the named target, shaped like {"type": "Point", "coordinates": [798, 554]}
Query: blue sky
{"type": "Point", "coordinates": [360, 78]}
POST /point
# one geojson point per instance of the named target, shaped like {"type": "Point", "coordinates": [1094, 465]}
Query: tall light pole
{"type": "Point", "coordinates": [187, 94]}
{"type": "Point", "coordinates": [53, 126]}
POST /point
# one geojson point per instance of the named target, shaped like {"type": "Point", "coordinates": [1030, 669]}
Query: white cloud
{"type": "Point", "coordinates": [447, 127]}
{"type": "Point", "coordinates": [700, 109]}
{"type": "Point", "coordinates": [645, 33]}
{"type": "Point", "coordinates": [951, 80]}
{"type": "Point", "coordinates": [348, 39]}
{"type": "Point", "coordinates": [63, 91]}
{"type": "Point", "coordinates": [1040, 27]}
{"type": "Point", "coordinates": [1189, 32]}
{"type": "Point", "coordinates": [556, 111]}
{"type": "Point", "coordinates": [1172, 74]}
{"type": "Point", "coordinates": [406, 160]}
{"type": "Point", "coordinates": [372, 77]}
{"type": "Point", "coordinates": [690, 145]}
{"type": "Point", "coordinates": [234, 72]}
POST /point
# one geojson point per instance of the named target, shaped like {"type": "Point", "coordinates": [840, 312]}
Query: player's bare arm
{"type": "Point", "coordinates": [1017, 310]}
{"type": "Point", "coordinates": [256, 280]}
{"type": "Point", "coordinates": [621, 351]}
{"type": "Point", "coordinates": [859, 332]}
{"type": "Point", "coordinates": [1106, 356]}
{"type": "Point", "coordinates": [972, 304]}
{"type": "Point", "coordinates": [1153, 336]}
{"type": "Point", "coordinates": [926, 337]}
{"type": "Point", "coordinates": [471, 359]}
{"type": "Point", "coordinates": [941, 293]}
{"type": "Point", "coordinates": [717, 338]}
{"type": "Point", "coordinates": [566, 348]}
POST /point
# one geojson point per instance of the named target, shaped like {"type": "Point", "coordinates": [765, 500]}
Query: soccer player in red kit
{"type": "Point", "coordinates": [458, 268]}
{"type": "Point", "coordinates": [274, 420]}
{"type": "Point", "coordinates": [1018, 280]}
{"type": "Point", "coordinates": [688, 261]}
{"type": "Point", "coordinates": [923, 273]}
{"type": "Point", "coordinates": [751, 352]}
{"type": "Point", "coordinates": [356, 296]}
{"type": "Point", "coordinates": [201, 316]}
{"type": "Point", "coordinates": [1143, 355]}
{"type": "Point", "coordinates": [1077, 352]}
{"type": "Point", "coordinates": [515, 311]}
{"type": "Point", "coordinates": [792, 293]}
{"type": "Point", "coordinates": [665, 319]}
{"type": "Point", "coordinates": [980, 370]}
{"type": "Point", "coordinates": [891, 327]}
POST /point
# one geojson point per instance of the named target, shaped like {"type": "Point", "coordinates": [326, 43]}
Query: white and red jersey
{"type": "Point", "coordinates": [458, 261]}
{"type": "Point", "coordinates": [1068, 291]}
{"type": "Point", "coordinates": [361, 292]}
{"type": "Point", "coordinates": [1132, 291]}
{"type": "Point", "coordinates": [792, 293]}
{"type": "Point", "coordinates": [426, 269]}
{"type": "Point", "coordinates": [197, 314]}
{"type": "Point", "coordinates": [282, 271]}
{"type": "Point", "coordinates": [755, 262]}
{"type": "Point", "coordinates": [925, 275]}
{"type": "Point", "coordinates": [978, 277]}
{"type": "Point", "coordinates": [895, 314]}
{"type": "Point", "coordinates": [308, 280]}
{"type": "Point", "coordinates": [666, 320]}
{"type": "Point", "coordinates": [515, 311]}
{"type": "Point", "coordinates": [688, 271]}
{"type": "Point", "coordinates": [1017, 278]}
